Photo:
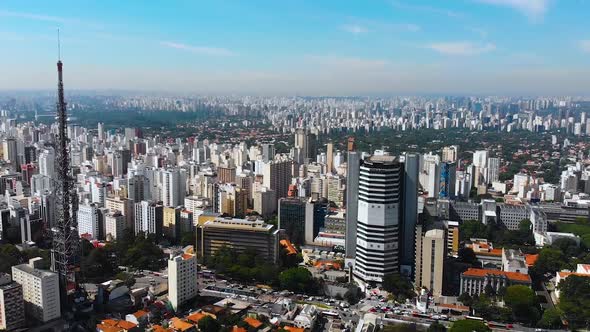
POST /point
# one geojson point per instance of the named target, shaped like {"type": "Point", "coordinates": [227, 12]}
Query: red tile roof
{"type": "Point", "coordinates": [255, 323]}
{"type": "Point", "coordinates": [530, 259]}
{"type": "Point", "coordinates": [471, 272]}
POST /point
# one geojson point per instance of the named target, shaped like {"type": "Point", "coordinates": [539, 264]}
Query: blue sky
{"type": "Point", "coordinates": [301, 47]}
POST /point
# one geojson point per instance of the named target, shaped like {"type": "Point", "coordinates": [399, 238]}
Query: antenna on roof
{"type": "Point", "coordinates": [58, 46]}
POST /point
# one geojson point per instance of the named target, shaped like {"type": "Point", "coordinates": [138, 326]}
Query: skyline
{"type": "Point", "coordinates": [302, 48]}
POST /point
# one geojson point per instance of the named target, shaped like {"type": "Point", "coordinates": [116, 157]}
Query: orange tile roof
{"type": "Point", "coordinates": [109, 322]}
{"type": "Point", "coordinates": [160, 328]}
{"type": "Point", "coordinates": [238, 329]}
{"type": "Point", "coordinates": [126, 325]}
{"type": "Point", "coordinates": [139, 313]}
{"type": "Point", "coordinates": [179, 324]}
{"type": "Point", "coordinates": [531, 259]}
{"type": "Point", "coordinates": [293, 329]}
{"type": "Point", "coordinates": [565, 274]}
{"type": "Point", "coordinates": [289, 246]}
{"type": "Point", "coordinates": [108, 328]}
{"type": "Point", "coordinates": [453, 306]}
{"type": "Point", "coordinates": [187, 256]}
{"type": "Point", "coordinates": [472, 272]}
{"type": "Point", "coordinates": [196, 317]}
{"type": "Point", "coordinates": [255, 323]}
{"type": "Point", "coordinates": [329, 265]}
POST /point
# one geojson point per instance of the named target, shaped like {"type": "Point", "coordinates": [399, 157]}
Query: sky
{"type": "Point", "coordinates": [300, 47]}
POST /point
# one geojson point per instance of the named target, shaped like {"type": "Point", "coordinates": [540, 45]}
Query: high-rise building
{"type": "Point", "coordinates": [115, 224]}
{"type": "Point", "coordinates": [292, 218]}
{"type": "Point", "coordinates": [138, 188]}
{"type": "Point", "coordinates": [40, 290]}
{"type": "Point", "coordinates": [268, 152]}
{"type": "Point", "coordinates": [352, 186]}
{"type": "Point", "coordinates": [265, 202]}
{"type": "Point", "coordinates": [410, 212]}
{"type": "Point", "coordinates": [125, 206]}
{"type": "Point", "coordinates": [450, 153]}
{"type": "Point", "coordinates": [239, 235]}
{"type": "Point", "coordinates": [12, 308]}
{"type": "Point", "coordinates": [379, 213]}
{"type": "Point", "coordinates": [493, 169]}
{"type": "Point", "coordinates": [329, 157]}
{"type": "Point", "coordinates": [430, 255]}
{"type": "Point", "coordinates": [182, 278]}
{"type": "Point", "coordinates": [10, 152]}
{"type": "Point", "coordinates": [226, 174]}
{"type": "Point", "coordinates": [171, 219]}
{"type": "Point", "coordinates": [277, 175]}
{"type": "Point", "coordinates": [148, 218]}
{"type": "Point", "coordinates": [88, 221]}
{"type": "Point", "coordinates": [173, 187]}
{"type": "Point", "coordinates": [47, 162]}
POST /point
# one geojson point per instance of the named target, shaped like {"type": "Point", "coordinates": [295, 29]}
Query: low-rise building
{"type": "Point", "coordinates": [474, 281]}
{"type": "Point", "coordinates": [307, 317]}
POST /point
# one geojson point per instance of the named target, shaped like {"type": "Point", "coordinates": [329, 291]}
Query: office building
{"type": "Point", "coordinates": [12, 307]}
{"type": "Point", "coordinates": [182, 278]}
{"type": "Point", "coordinates": [410, 213]}
{"type": "Point", "coordinates": [379, 213]}
{"type": "Point", "coordinates": [430, 255]}
{"type": "Point", "coordinates": [239, 235]}
{"type": "Point", "coordinates": [315, 216]}
{"type": "Point", "coordinates": [352, 186]}
{"type": "Point", "coordinates": [292, 218]}
{"type": "Point", "coordinates": [40, 290]}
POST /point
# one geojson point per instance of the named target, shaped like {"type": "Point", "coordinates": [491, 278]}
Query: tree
{"type": "Point", "coordinates": [468, 325]}
{"type": "Point", "coordinates": [574, 300]}
{"type": "Point", "coordinates": [353, 295]}
{"type": "Point", "coordinates": [436, 327]}
{"type": "Point", "coordinates": [472, 229]}
{"type": "Point", "coordinates": [296, 279]}
{"type": "Point", "coordinates": [523, 302]}
{"type": "Point", "coordinates": [127, 278]}
{"type": "Point", "coordinates": [209, 324]}
{"type": "Point", "coordinates": [551, 319]}
{"type": "Point", "coordinates": [466, 299]}
{"type": "Point", "coordinates": [188, 239]}
{"type": "Point", "coordinates": [9, 256]}
{"type": "Point", "coordinates": [466, 255]}
{"type": "Point", "coordinates": [97, 265]}
{"type": "Point", "coordinates": [568, 246]}
{"type": "Point", "coordinates": [550, 260]}
{"type": "Point", "coordinates": [399, 286]}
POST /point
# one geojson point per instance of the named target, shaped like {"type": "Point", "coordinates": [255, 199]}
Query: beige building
{"type": "Point", "coordinates": [40, 290]}
{"type": "Point", "coordinates": [430, 255]}
{"type": "Point", "coordinates": [182, 278]}
{"type": "Point", "coordinates": [123, 205]}
{"type": "Point", "coordinates": [115, 224]}
{"type": "Point", "coordinates": [171, 219]}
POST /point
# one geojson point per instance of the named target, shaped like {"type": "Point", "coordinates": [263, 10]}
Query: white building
{"type": "Point", "coordinates": [47, 162]}
{"type": "Point", "coordinates": [307, 317]}
{"type": "Point", "coordinates": [379, 199]}
{"type": "Point", "coordinates": [149, 217]}
{"type": "Point", "coordinates": [40, 290]}
{"type": "Point", "coordinates": [173, 187]}
{"type": "Point", "coordinates": [88, 221]}
{"type": "Point", "coordinates": [182, 278]}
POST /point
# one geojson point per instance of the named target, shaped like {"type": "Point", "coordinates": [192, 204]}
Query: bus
{"type": "Point", "coordinates": [494, 325]}
{"type": "Point", "coordinates": [207, 274]}
{"type": "Point", "coordinates": [474, 318]}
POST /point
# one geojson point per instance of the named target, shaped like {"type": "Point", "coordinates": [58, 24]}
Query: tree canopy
{"type": "Point", "coordinates": [467, 325]}
{"type": "Point", "coordinates": [523, 302]}
{"type": "Point", "coordinates": [574, 300]}
{"type": "Point", "coordinates": [399, 286]}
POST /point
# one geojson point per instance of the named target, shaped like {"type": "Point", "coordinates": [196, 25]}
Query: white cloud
{"type": "Point", "coordinates": [204, 50]}
{"type": "Point", "coordinates": [51, 19]}
{"type": "Point", "coordinates": [355, 29]}
{"type": "Point", "coordinates": [461, 48]}
{"type": "Point", "coordinates": [584, 45]}
{"type": "Point", "coordinates": [533, 9]}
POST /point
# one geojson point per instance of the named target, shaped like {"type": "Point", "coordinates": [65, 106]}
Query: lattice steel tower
{"type": "Point", "coordinates": [65, 233]}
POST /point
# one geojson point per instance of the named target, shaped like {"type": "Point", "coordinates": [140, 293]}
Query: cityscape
{"type": "Point", "coordinates": [292, 204]}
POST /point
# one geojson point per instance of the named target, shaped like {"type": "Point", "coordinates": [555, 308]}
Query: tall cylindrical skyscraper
{"type": "Point", "coordinates": [379, 212]}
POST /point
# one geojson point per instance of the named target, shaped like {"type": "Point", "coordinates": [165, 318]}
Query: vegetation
{"type": "Point", "coordinates": [581, 228]}
{"type": "Point", "coordinates": [298, 279]}
{"type": "Point", "coordinates": [574, 300]}
{"type": "Point", "coordinates": [467, 325]}
{"type": "Point", "coordinates": [551, 319]}
{"type": "Point", "coordinates": [400, 287]}
{"type": "Point", "coordinates": [247, 266]}
{"type": "Point", "coordinates": [209, 324]}
{"type": "Point", "coordinates": [436, 327]}
{"type": "Point", "coordinates": [10, 256]}
{"type": "Point", "coordinates": [523, 303]}
{"type": "Point", "coordinates": [353, 295]}
{"type": "Point", "coordinates": [497, 234]}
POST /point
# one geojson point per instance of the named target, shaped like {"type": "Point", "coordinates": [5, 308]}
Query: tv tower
{"type": "Point", "coordinates": [65, 233]}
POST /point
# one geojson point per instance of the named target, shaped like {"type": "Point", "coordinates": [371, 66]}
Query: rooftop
{"type": "Point", "coordinates": [472, 272]}
{"type": "Point", "coordinates": [255, 323]}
